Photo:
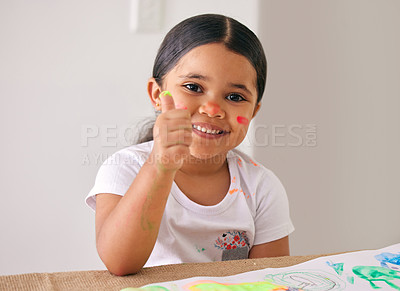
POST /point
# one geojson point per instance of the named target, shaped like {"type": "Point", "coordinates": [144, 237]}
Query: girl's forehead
{"type": "Point", "coordinates": [215, 52]}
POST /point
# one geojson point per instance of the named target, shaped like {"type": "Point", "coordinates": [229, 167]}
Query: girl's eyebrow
{"type": "Point", "coordinates": [194, 76]}
{"type": "Point", "coordinates": [241, 86]}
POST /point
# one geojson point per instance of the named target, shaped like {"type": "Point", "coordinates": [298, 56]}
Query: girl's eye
{"type": "Point", "coordinates": [235, 97]}
{"type": "Point", "coordinates": [193, 87]}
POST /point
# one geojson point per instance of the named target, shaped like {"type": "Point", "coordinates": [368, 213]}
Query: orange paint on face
{"type": "Point", "coordinates": [212, 108]}
{"type": "Point", "coordinates": [242, 120]}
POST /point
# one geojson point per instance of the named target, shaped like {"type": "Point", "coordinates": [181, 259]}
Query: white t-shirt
{"type": "Point", "coordinates": [254, 211]}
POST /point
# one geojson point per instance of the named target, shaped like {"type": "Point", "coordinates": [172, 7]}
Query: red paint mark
{"type": "Point", "coordinates": [240, 162]}
{"type": "Point", "coordinates": [242, 120]}
{"type": "Point", "coordinates": [234, 180]}
{"type": "Point", "coordinates": [212, 108]}
{"type": "Point", "coordinates": [180, 106]}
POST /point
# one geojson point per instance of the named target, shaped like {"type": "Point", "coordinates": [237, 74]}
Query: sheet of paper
{"type": "Point", "coordinates": [363, 270]}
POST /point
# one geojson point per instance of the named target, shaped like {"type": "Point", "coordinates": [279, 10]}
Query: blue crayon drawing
{"type": "Point", "coordinates": [389, 258]}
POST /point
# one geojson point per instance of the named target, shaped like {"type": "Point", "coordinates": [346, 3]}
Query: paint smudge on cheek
{"type": "Point", "coordinates": [242, 120]}
{"type": "Point", "coordinates": [180, 106]}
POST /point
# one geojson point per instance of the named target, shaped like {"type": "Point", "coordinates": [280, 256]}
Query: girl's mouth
{"type": "Point", "coordinates": [208, 131]}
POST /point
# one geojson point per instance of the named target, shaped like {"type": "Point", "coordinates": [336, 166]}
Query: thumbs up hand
{"type": "Point", "coordinates": [167, 102]}
{"type": "Point", "coordinates": [172, 135]}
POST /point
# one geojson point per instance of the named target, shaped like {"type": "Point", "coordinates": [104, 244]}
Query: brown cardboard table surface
{"type": "Point", "coordinates": [103, 280]}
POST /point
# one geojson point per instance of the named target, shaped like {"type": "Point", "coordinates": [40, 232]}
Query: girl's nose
{"type": "Point", "coordinates": [212, 110]}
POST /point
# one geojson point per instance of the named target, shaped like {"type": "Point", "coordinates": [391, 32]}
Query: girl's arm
{"type": "Point", "coordinates": [275, 248]}
{"type": "Point", "coordinates": [127, 227]}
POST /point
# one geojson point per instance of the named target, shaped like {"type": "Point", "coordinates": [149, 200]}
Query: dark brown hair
{"type": "Point", "coordinates": [211, 28]}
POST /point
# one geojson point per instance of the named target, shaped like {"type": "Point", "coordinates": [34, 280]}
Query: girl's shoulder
{"type": "Point", "coordinates": [251, 168]}
{"type": "Point", "coordinates": [244, 161]}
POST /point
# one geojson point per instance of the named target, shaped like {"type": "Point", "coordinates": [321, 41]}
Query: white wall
{"type": "Point", "coordinates": [66, 66]}
{"type": "Point", "coordinates": [335, 65]}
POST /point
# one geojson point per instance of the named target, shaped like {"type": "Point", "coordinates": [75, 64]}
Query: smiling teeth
{"type": "Point", "coordinates": [205, 130]}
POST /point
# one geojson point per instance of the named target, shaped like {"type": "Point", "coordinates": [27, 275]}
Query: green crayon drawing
{"type": "Point", "coordinates": [253, 286]}
{"type": "Point", "coordinates": [338, 267]}
{"type": "Point", "coordinates": [308, 280]}
{"type": "Point", "coordinates": [377, 274]}
{"type": "Point", "coordinates": [149, 288]}
{"type": "Point", "coordinates": [350, 279]}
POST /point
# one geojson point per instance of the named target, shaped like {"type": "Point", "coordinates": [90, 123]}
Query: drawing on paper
{"type": "Point", "coordinates": [375, 274]}
{"type": "Point", "coordinates": [149, 288]}
{"type": "Point", "coordinates": [206, 285]}
{"type": "Point", "coordinates": [389, 260]}
{"type": "Point", "coordinates": [364, 270]}
{"type": "Point", "coordinates": [338, 267]}
{"type": "Point", "coordinates": [308, 280]}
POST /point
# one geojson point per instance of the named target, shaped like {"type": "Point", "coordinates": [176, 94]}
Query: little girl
{"type": "Point", "coordinates": [188, 195]}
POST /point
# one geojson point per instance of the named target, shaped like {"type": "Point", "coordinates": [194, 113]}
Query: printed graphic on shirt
{"type": "Point", "coordinates": [234, 245]}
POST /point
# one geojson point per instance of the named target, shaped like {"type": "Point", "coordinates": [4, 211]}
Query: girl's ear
{"type": "Point", "coordinates": [256, 109]}
{"type": "Point", "coordinates": [154, 91]}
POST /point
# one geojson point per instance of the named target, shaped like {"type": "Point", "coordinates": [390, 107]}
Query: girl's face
{"type": "Point", "coordinates": [218, 87]}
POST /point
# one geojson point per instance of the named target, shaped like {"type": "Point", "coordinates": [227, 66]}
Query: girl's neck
{"type": "Point", "coordinates": [205, 182]}
{"type": "Point", "coordinates": [204, 167]}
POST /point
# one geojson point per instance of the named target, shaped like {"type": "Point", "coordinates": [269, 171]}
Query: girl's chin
{"type": "Point", "coordinates": [203, 154]}
{"type": "Point", "coordinates": [207, 149]}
